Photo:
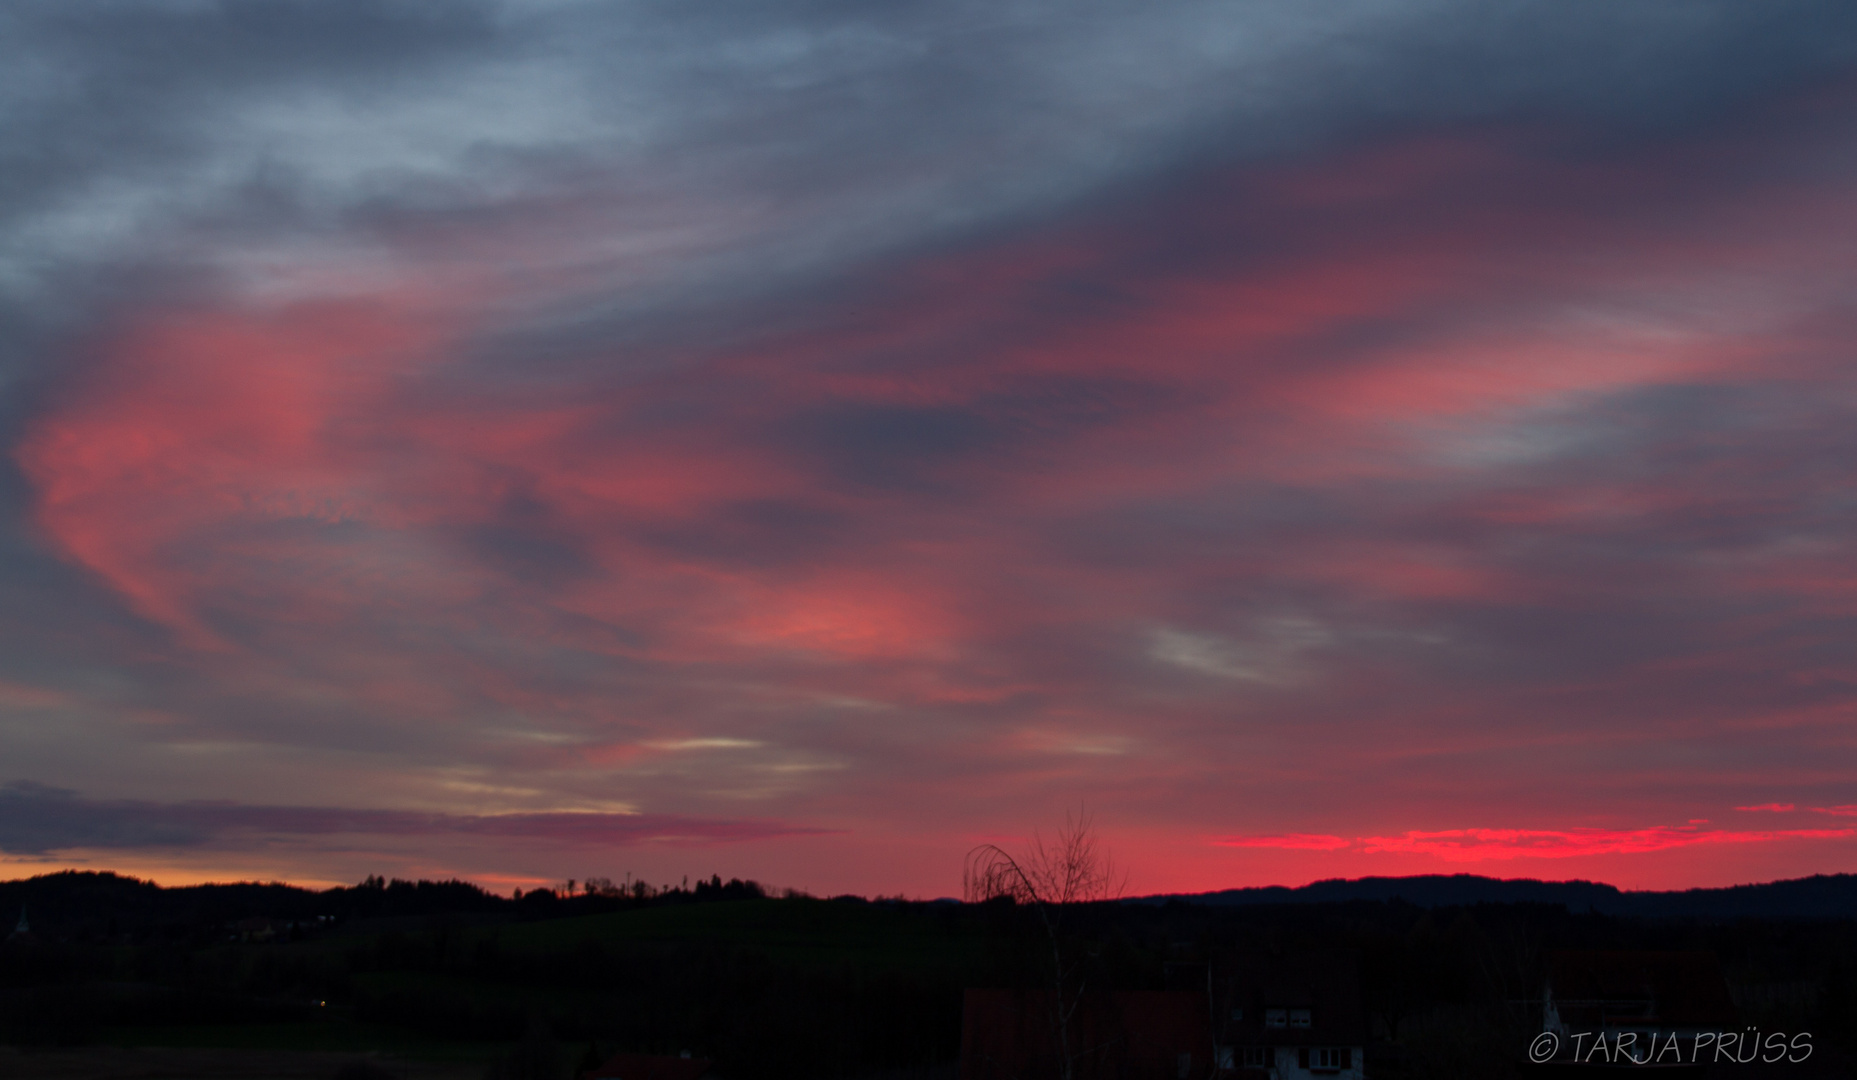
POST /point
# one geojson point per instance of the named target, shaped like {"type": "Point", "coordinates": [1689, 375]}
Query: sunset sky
{"type": "Point", "coordinates": [801, 440]}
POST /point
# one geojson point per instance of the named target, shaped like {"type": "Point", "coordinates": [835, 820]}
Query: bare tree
{"type": "Point", "coordinates": [1074, 868]}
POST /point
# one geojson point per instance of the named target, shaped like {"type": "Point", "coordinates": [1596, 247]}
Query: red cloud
{"type": "Point", "coordinates": [200, 421]}
{"type": "Point", "coordinates": [1478, 845]}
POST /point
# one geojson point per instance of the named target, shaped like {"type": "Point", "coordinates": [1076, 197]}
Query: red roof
{"type": "Point", "coordinates": [1137, 1035]}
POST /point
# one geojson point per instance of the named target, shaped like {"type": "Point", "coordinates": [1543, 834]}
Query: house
{"type": "Point", "coordinates": [1133, 1035]}
{"type": "Point", "coordinates": [1290, 1016]}
{"type": "Point", "coordinates": [22, 934]}
{"type": "Point", "coordinates": [650, 1067]}
{"type": "Point", "coordinates": [255, 929]}
{"type": "Point", "coordinates": [1639, 995]}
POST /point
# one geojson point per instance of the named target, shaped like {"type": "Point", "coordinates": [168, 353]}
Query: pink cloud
{"type": "Point", "coordinates": [657, 547]}
{"type": "Point", "coordinates": [207, 419]}
{"type": "Point", "coordinates": [213, 425]}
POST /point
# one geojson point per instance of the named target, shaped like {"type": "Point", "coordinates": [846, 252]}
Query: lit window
{"type": "Point", "coordinates": [1299, 1018]}
{"type": "Point", "coordinates": [1276, 1017]}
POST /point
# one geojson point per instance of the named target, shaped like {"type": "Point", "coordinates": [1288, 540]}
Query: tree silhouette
{"type": "Point", "coordinates": [1075, 868]}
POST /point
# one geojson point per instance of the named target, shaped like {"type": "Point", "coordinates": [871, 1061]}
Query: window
{"type": "Point", "coordinates": [1320, 1058]}
{"type": "Point", "coordinates": [1276, 1017]}
{"type": "Point", "coordinates": [1299, 1018]}
{"type": "Point", "coordinates": [1185, 1062]}
{"type": "Point", "coordinates": [1257, 1057]}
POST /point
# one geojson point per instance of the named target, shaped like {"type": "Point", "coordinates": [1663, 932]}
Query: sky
{"type": "Point", "coordinates": [804, 440]}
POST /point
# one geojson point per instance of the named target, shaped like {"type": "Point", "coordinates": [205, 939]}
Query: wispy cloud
{"type": "Point", "coordinates": [711, 742]}
{"type": "Point", "coordinates": [899, 418]}
{"type": "Point", "coordinates": [35, 819]}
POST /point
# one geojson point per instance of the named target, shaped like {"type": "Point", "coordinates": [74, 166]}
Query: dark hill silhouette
{"type": "Point", "coordinates": [87, 904]}
{"type": "Point", "coordinates": [1822, 896]}
{"type": "Point", "coordinates": [91, 903]}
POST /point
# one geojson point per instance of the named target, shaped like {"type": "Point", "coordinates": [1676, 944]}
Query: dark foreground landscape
{"type": "Point", "coordinates": [433, 980]}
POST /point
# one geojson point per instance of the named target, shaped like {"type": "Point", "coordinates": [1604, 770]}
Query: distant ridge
{"type": "Point", "coordinates": [1821, 896]}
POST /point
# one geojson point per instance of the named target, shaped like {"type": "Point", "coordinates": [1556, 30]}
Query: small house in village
{"type": "Point", "coordinates": [1291, 1016]}
{"type": "Point", "coordinates": [1638, 995]}
{"type": "Point", "coordinates": [22, 934]}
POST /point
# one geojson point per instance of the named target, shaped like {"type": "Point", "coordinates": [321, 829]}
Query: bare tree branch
{"type": "Point", "coordinates": [1073, 869]}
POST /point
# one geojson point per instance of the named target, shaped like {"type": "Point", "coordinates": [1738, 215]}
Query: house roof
{"type": "Point", "coordinates": [1327, 983]}
{"type": "Point", "coordinates": [649, 1067]}
{"type": "Point", "coordinates": [1668, 988]}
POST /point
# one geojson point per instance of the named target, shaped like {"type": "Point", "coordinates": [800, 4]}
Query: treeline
{"type": "Point", "coordinates": [74, 905]}
{"type": "Point", "coordinates": [793, 986]}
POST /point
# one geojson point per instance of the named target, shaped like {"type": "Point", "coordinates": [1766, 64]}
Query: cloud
{"type": "Point", "coordinates": [1288, 842]}
{"type": "Point", "coordinates": [1205, 654]}
{"type": "Point", "coordinates": [35, 819]}
{"type": "Point", "coordinates": [766, 134]}
{"type": "Point", "coordinates": [705, 743]}
{"type": "Point", "coordinates": [974, 498]}
{"type": "Point", "coordinates": [1443, 404]}
{"type": "Point", "coordinates": [1479, 845]}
